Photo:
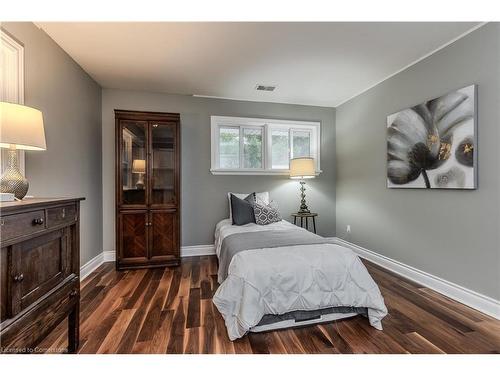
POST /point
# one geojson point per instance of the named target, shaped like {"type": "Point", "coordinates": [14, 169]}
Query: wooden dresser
{"type": "Point", "coordinates": [40, 272]}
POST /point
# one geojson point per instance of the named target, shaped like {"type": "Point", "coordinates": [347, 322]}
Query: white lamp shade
{"type": "Point", "coordinates": [22, 127]}
{"type": "Point", "coordinates": [301, 168]}
{"type": "Point", "coordinates": [139, 166]}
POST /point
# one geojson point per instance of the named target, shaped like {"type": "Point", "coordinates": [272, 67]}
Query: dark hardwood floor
{"type": "Point", "coordinates": [171, 311]}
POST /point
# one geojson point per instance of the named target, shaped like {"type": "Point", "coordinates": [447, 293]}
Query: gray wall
{"type": "Point", "coordinates": [204, 200]}
{"type": "Point", "coordinates": [450, 234]}
{"type": "Point", "coordinates": [71, 104]}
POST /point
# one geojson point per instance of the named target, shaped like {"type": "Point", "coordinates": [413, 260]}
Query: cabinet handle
{"type": "Point", "coordinates": [63, 214]}
{"type": "Point", "coordinates": [148, 224]}
{"type": "Point", "coordinates": [73, 293]}
{"type": "Point", "coordinates": [38, 221]}
{"type": "Point", "coordinates": [19, 278]}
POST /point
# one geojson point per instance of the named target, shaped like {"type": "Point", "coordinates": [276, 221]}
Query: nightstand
{"type": "Point", "coordinates": [306, 216]}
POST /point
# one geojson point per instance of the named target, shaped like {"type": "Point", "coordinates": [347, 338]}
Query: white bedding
{"type": "Point", "coordinates": [289, 278]}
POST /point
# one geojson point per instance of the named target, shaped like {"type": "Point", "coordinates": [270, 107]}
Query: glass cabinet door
{"type": "Point", "coordinates": [163, 140]}
{"type": "Point", "coordinates": [133, 162]}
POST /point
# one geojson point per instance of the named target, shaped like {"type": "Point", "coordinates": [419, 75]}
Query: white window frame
{"type": "Point", "coordinates": [267, 125]}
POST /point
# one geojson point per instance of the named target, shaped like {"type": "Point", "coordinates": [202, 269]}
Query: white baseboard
{"type": "Point", "coordinates": [468, 297]}
{"type": "Point", "coordinates": [91, 265]}
{"type": "Point", "coordinates": [95, 262]}
{"type": "Point", "coordinates": [197, 250]}
{"type": "Point", "coordinates": [110, 256]}
{"type": "Point", "coordinates": [186, 251]}
{"type": "Point", "coordinates": [463, 295]}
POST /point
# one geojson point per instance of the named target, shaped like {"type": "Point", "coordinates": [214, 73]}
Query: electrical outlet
{"type": "Point", "coordinates": [348, 228]}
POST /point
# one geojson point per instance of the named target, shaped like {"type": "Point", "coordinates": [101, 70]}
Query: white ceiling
{"type": "Point", "coordinates": [310, 63]}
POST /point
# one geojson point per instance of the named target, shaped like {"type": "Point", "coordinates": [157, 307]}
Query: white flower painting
{"type": "Point", "coordinates": [433, 145]}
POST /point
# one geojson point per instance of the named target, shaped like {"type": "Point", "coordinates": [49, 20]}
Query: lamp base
{"type": "Point", "coordinates": [12, 181]}
{"type": "Point", "coordinates": [140, 182]}
{"type": "Point", "coordinates": [303, 206]}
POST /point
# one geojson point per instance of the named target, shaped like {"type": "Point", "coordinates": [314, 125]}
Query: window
{"type": "Point", "coordinates": [301, 143]}
{"type": "Point", "coordinates": [252, 148]}
{"type": "Point", "coordinates": [280, 152]}
{"type": "Point", "coordinates": [229, 149]}
{"type": "Point", "coordinates": [261, 146]}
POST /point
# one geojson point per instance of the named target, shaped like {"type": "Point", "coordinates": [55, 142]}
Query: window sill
{"type": "Point", "coordinates": [236, 172]}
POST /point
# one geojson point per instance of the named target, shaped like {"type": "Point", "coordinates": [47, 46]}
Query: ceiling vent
{"type": "Point", "coordinates": [264, 88]}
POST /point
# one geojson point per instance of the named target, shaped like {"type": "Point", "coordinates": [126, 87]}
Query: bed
{"type": "Point", "coordinates": [279, 275]}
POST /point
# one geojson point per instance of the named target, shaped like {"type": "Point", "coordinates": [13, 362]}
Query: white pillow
{"type": "Point", "coordinates": [262, 198]}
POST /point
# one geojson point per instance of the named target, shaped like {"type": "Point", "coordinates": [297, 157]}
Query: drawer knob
{"type": "Point", "coordinates": [38, 221]}
{"type": "Point", "coordinates": [73, 293]}
{"type": "Point", "coordinates": [19, 278]}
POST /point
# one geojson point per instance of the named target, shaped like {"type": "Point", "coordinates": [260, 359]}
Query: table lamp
{"type": "Point", "coordinates": [301, 169]}
{"type": "Point", "coordinates": [21, 128]}
{"type": "Point", "coordinates": [139, 167]}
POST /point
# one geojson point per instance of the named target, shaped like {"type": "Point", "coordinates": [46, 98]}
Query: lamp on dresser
{"type": "Point", "coordinates": [21, 128]}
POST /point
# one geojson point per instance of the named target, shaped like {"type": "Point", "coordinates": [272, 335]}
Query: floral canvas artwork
{"type": "Point", "coordinates": [433, 145]}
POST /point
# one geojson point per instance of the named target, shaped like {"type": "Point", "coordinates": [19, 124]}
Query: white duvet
{"type": "Point", "coordinates": [283, 279]}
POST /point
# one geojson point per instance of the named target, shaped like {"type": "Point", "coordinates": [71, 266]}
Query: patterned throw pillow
{"type": "Point", "coordinates": [266, 214]}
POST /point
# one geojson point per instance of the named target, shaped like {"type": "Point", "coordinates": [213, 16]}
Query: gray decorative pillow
{"type": "Point", "coordinates": [266, 214]}
{"type": "Point", "coordinates": [242, 209]}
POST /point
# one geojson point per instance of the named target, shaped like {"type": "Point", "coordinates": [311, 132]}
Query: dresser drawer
{"type": "Point", "coordinates": [23, 224]}
{"type": "Point", "coordinates": [61, 215]}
